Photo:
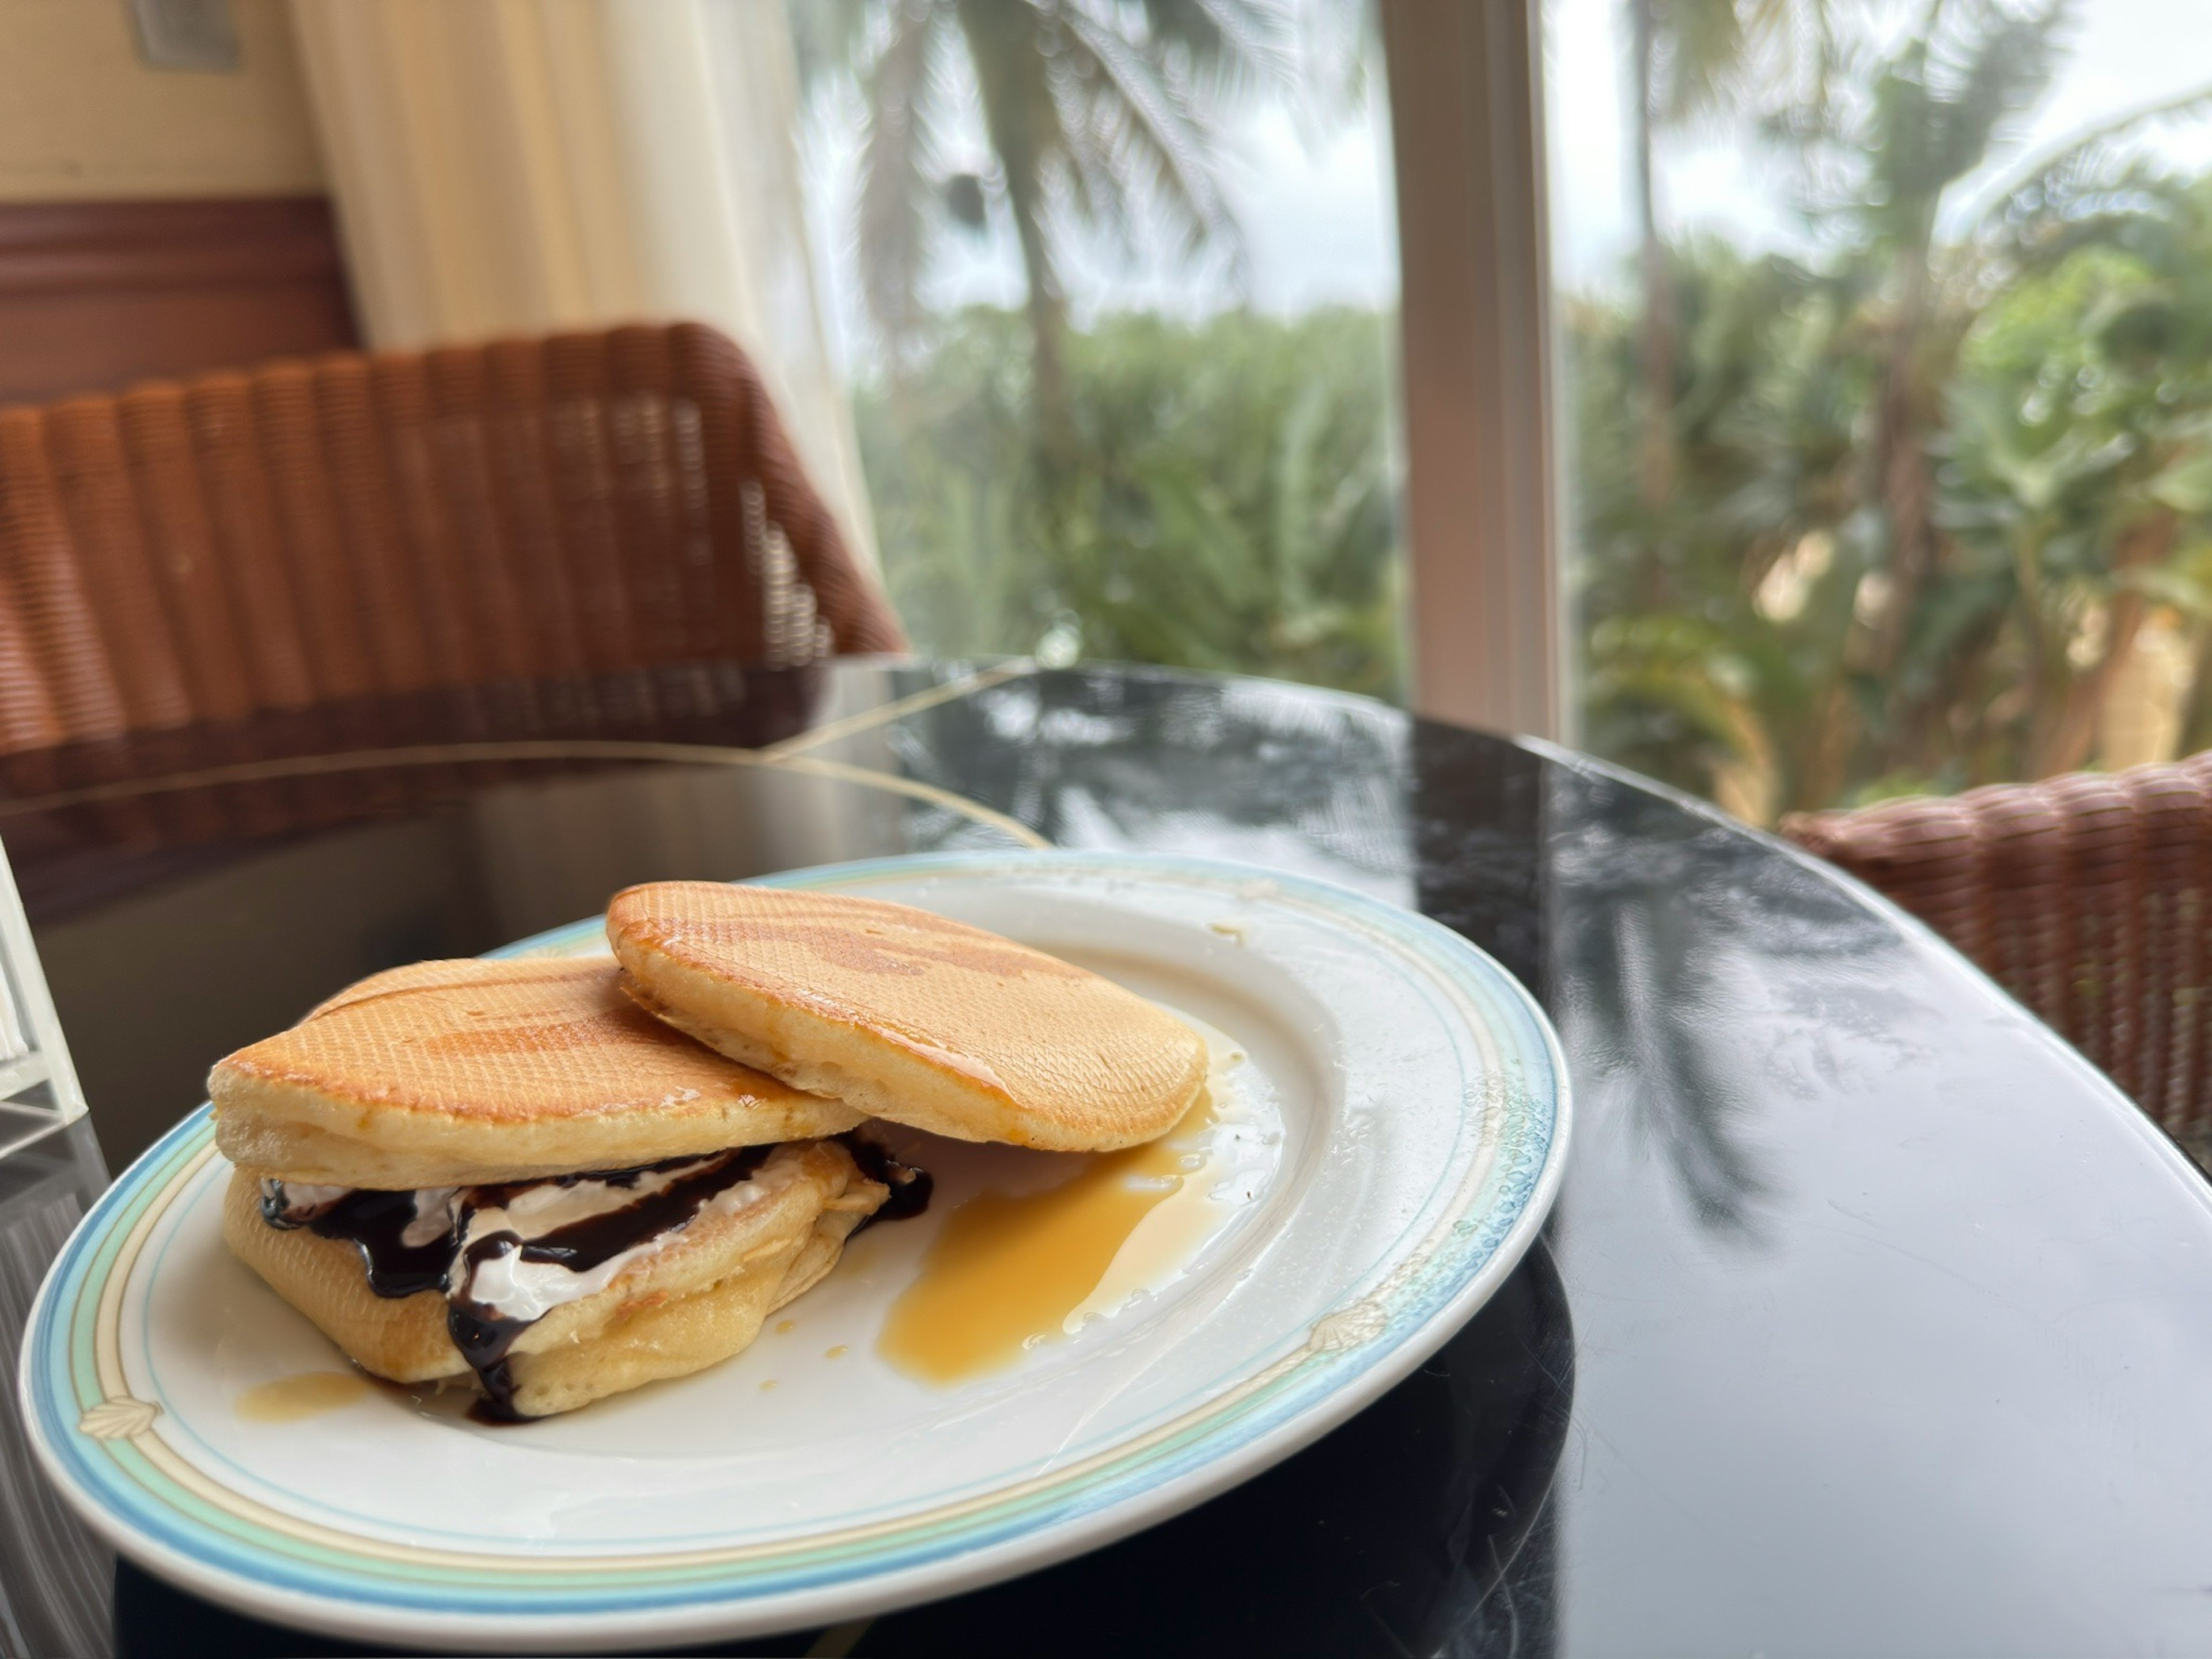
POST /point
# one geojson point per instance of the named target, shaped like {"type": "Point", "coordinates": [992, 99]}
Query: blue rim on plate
{"type": "Point", "coordinates": [104, 1445]}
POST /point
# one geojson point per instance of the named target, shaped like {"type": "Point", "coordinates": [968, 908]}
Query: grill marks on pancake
{"type": "Point", "coordinates": [428, 978]}
{"type": "Point", "coordinates": [510, 1041]}
{"type": "Point", "coordinates": [909, 1016]}
{"type": "Point", "coordinates": [501, 1037]}
{"type": "Point", "coordinates": [901, 944]}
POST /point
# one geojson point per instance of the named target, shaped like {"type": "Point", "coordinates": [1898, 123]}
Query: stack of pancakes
{"type": "Point", "coordinates": [551, 1180]}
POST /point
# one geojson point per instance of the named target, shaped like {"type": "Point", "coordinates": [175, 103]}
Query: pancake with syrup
{"type": "Point", "coordinates": [506, 1176]}
{"type": "Point", "coordinates": [908, 1016]}
{"type": "Point", "coordinates": [452, 1074]}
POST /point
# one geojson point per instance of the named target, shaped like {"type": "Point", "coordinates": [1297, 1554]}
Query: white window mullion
{"type": "Point", "coordinates": [1486, 623]}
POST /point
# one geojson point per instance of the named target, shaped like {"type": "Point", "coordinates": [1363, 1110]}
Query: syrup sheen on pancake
{"type": "Point", "coordinates": [908, 1015]}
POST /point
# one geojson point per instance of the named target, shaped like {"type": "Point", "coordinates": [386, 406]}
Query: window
{"type": "Point", "coordinates": [1886, 377]}
{"type": "Point", "coordinates": [1113, 286]}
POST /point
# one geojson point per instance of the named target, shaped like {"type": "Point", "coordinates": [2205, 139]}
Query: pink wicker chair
{"type": "Point", "coordinates": [2087, 896]}
{"type": "Point", "coordinates": [303, 532]}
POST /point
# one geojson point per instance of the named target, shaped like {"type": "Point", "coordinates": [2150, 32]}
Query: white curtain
{"type": "Point", "coordinates": [506, 166]}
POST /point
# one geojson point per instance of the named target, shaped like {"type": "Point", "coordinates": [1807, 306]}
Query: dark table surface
{"type": "Point", "coordinates": [1870, 1319]}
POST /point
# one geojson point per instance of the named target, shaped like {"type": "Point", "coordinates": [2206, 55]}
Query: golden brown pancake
{"type": "Point", "coordinates": [908, 1016]}
{"type": "Point", "coordinates": [693, 1301]}
{"type": "Point", "coordinates": [454, 1073]}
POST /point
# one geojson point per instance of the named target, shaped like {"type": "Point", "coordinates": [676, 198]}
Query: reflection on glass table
{"type": "Point", "coordinates": [52, 1572]}
{"type": "Point", "coordinates": [1869, 1318]}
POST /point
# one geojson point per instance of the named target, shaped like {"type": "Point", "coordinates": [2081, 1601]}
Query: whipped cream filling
{"type": "Point", "coordinates": [520, 1283]}
{"type": "Point", "coordinates": [303, 1201]}
{"type": "Point", "coordinates": [505, 1256]}
{"type": "Point", "coordinates": [489, 1233]}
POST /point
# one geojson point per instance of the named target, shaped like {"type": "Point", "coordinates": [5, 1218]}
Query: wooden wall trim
{"type": "Point", "coordinates": [95, 296]}
{"type": "Point", "coordinates": [47, 246]}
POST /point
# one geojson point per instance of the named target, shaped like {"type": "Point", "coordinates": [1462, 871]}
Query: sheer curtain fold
{"type": "Point", "coordinates": [505, 167]}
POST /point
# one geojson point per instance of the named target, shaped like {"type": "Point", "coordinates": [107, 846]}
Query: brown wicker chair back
{"type": "Point", "coordinates": [2087, 896]}
{"type": "Point", "coordinates": [357, 525]}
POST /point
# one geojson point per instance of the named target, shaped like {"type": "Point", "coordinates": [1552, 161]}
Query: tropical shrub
{"type": "Point", "coordinates": [1228, 503]}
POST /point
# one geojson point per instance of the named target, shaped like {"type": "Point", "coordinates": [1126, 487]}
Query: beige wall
{"type": "Point", "coordinates": [81, 119]}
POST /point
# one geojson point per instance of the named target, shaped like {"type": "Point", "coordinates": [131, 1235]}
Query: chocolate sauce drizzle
{"type": "Point", "coordinates": [374, 1223]}
{"type": "Point", "coordinates": [486, 1337]}
{"type": "Point", "coordinates": [910, 1187]}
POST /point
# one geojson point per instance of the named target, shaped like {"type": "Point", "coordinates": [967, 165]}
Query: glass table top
{"type": "Point", "coordinates": [1870, 1319]}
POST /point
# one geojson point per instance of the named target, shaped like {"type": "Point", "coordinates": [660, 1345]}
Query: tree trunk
{"type": "Point", "coordinates": [1656, 439]}
{"type": "Point", "coordinates": [1827, 763]}
{"type": "Point", "coordinates": [2067, 734]}
{"type": "Point", "coordinates": [1008, 46]}
{"type": "Point", "coordinates": [2196, 711]}
{"type": "Point", "coordinates": [1904, 483]}
{"type": "Point", "coordinates": [1048, 313]}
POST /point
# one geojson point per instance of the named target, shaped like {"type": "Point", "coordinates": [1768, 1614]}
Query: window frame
{"type": "Point", "coordinates": [1487, 624]}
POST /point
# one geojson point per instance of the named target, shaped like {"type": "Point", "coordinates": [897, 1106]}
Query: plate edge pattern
{"type": "Point", "coordinates": [1187, 1441]}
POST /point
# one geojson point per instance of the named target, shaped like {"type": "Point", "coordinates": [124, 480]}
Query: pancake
{"type": "Point", "coordinates": [693, 1295]}
{"type": "Point", "coordinates": [456, 1073]}
{"type": "Point", "coordinates": [906, 1016]}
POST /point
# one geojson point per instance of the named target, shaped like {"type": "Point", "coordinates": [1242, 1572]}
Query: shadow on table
{"type": "Point", "coordinates": [1422, 1526]}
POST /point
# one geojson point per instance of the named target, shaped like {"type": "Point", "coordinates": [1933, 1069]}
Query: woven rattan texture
{"type": "Point", "coordinates": [2086, 896]}
{"type": "Point", "coordinates": [306, 532]}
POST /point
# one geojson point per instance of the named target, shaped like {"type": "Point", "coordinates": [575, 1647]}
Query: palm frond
{"type": "Point", "coordinates": [830, 37]}
{"type": "Point", "coordinates": [1935, 110]}
{"type": "Point", "coordinates": [1142, 128]}
{"type": "Point", "coordinates": [1793, 53]}
{"type": "Point", "coordinates": [896, 163]}
{"type": "Point", "coordinates": [2085, 165]}
{"type": "Point", "coordinates": [1985, 73]}
{"type": "Point", "coordinates": [1228, 39]}
{"type": "Point", "coordinates": [1097, 184]}
{"type": "Point", "coordinates": [1701, 47]}
{"type": "Point", "coordinates": [1008, 46]}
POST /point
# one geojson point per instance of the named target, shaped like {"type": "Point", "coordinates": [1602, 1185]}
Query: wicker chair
{"type": "Point", "coordinates": [359, 526]}
{"type": "Point", "coordinates": [2088, 897]}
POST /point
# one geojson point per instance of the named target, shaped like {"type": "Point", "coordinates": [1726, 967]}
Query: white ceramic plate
{"type": "Point", "coordinates": [1398, 1123]}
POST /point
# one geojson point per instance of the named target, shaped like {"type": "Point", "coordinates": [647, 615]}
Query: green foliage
{"type": "Point", "coordinates": [1923, 496]}
{"type": "Point", "coordinates": [1884, 519]}
{"type": "Point", "coordinates": [1092, 108]}
{"type": "Point", "coordinates": [1228, 504]}
{"type": "Point", "coordinates": [2070, 448]}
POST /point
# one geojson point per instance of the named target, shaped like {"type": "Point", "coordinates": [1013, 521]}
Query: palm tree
{"type": "Point", "coordinates": [1693, 59]}
{"type": "Point", "coordinates": [1929, 487]}
{"type": "Point", "coordinates": [2143, 490]}
{"type": "Point", "coordinates": [1936, 113]}
{"type": "Point", "coordinates": [1930, 111]}
{"type": "Point", "coordinates": [1093, 109]}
